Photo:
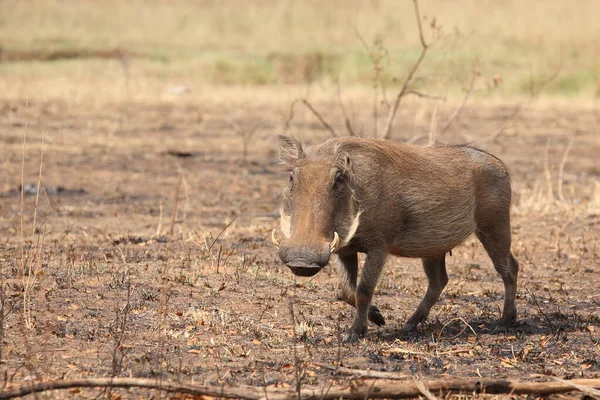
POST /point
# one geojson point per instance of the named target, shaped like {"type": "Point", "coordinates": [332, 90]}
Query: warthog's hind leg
{"type": "Point", "coordinates": [348, 270]}
{"type": "Point", "coordinates": [435, 269]}
{"type": "Point", "coordinates": [497, 244]}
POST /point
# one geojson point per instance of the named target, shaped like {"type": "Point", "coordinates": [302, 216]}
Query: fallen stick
{"type": "Point", "coordinates": [372, 388]}
{"type": "Point", "coordinates": [363, 373]}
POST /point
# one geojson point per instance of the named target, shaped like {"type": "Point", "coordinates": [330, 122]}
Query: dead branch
{"type": "Point", "coordinates": [534, 92]}
{"type": "Point", "coordinates": [346, 119]}
{"type": "Point", "coordinates": [315, 113]}
{"type": "Point", "coordinates": [362, 373]}
{"type": "Point", "coordinates": [468, 94]}
{"type": "Point", "coordinates": [433, 125]}
{"type": "Point", "coordinates": [424, 390]}
{"type": "Point", "coordinates": [561, 173]}
{"type": "Point", "coordinates": [374, 388]}
{"type": "Point", "coordinates": [583, 389]}
{"type": "Point", "coordinates": [425, 95]}
{"type": "Point", "coordinates": [409, 78]}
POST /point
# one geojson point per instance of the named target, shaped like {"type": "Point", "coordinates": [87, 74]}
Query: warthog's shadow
{"type": "Point", "coordinates": [457, 329]}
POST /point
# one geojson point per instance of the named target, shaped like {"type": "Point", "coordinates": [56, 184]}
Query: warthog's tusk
{"type": "Point", "coordinates": [274, 239]}
{"type": "Point", "coordinates": [335, 242]}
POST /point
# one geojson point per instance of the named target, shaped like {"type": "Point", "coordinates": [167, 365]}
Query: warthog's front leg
{"type": "Point", "coordinates": [348, 271]}
{"type": "Point", "coordinates": [364, 294]}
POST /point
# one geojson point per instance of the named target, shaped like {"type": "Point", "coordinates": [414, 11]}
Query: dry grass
{"type": "Point", "coordinates": [275, 42]}
{"type": "Point", "coordinates": [106, 296]}
{"type": "Point", "coordinates": [97, 308]}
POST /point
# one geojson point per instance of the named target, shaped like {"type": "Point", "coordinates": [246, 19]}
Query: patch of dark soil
{"type": "Point", "coordinates": [64, 54]}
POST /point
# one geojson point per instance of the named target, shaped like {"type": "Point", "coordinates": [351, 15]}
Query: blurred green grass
{"type": "Point", "coordinates": [273, 42]}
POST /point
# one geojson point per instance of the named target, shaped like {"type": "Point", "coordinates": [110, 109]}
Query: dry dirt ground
{"type": "Point", "coordinates": [113, 284]}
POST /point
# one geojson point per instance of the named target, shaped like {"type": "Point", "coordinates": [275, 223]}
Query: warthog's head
{"type": "Point", "coordinates": [319, 212]}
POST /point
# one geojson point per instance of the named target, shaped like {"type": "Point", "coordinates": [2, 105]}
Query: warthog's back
{"type": "Point", "coordinates": [419, 201]}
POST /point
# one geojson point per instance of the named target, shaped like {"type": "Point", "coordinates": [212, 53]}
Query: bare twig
{"type": "Point", "coordinates": [424, 95]}
{"type": "Point", "coordinates": [468, 94]}
{"type": "Point", "coordinates": [3, 313]}
{"type": "Point", "coordinates": [37, 192]}
{"type": "Point", "coordinates": [362, 373]}
{"type": "Point", "coordinates": [583, 389]}
{"type": "Point", "coordinates": [160, 217]}
{"type": "Point", "coordinates": [537, 305]}
{"type": "Point", "coordinates": [164, 289]}
{"type": "Point", "coordinates": [548, 175]}
{"type": "Point", "coordinates": [315, 113]}
{"type": "Point", "coordinates": [459, 333]}
{"type": "Point", "coordinates": [120, 325]}
{"type": "Point", "coordinates": [22, 241]}
{"type": "Point", "coordinates": [433, 125]}
{"type": "Point", "coordinates": [297, 363]}
{"type": "Point", "coordinates": [424, 390]}
{"type": "Point", "coordinates": [534, 92]}
{"type": "Point", "coordinates": [220, 233]}
{"type": "Point", "coordinates": [341, 103]}
{"type": "Point", "coordinates": [409, 78]}
{"type": "Point", "coordinates": [381, 389]}
{"type": "Point", "coordinates": [561, 171]}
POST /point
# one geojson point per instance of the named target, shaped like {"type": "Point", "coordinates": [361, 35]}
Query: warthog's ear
{"type": "Point", "coordinates": [344, 161]}
{"type": "Point", "coordinates": [290, 150]}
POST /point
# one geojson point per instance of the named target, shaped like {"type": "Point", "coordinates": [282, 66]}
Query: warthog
{"type": "Point", "coordinates": [378, 197]}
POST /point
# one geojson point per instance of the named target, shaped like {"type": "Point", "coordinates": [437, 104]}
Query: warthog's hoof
{"type": "Point", "coordinates": [506, 321]}
{"type": "Point", "coordinates": [350, 337]}
{"type": "Point", "coordinates": [354, 334]}
{"type": "Point", "coordinates": [418, 317]}
{"type": "Point", "coordinates": [410, 326]}
{"type": "Point", "coordinates": [375, 316]}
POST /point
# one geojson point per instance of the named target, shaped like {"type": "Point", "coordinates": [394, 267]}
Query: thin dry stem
{"type": "Point", "coordinates": [433, 125]}
{"type": "Point", "coordinates": [468, 94]}
{"type": "Point", "coordinates": [341, 103]}
{"type": "Point", "coordinates": [165, 269]}
{"type": "Point", "coordinates": [583, 389]}
{"type": "Point", "coordinates": [362, 373]}
{"type": "Point", "coordinates": [459, 333]}
{"type": "Point", "coordinates": [37, 193]}
{"type": "Point", "coordinates": [208, 249]}
{"type": "Point", "coordinates": [425, 95]}
{"type": "Point", "coordinates": [561, 173]}
{"type": "Point", "coordinates": [548, 176]}
{"type": "Point", "coordinates": [160, 217]}
{"type": "Point", "coordinates": [22, 239]}
{"type": "Point", "coordinates": [534, 93]}
{"type": "Point", "coordinates": [409, 78]}
{"type": "Point", "coordinates": [313, 111]}
{"type": "Point", "coordinates": [297, 363]}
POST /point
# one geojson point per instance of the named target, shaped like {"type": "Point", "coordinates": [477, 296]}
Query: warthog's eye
{"type": "Point", "coordinates": [291, 177]}
{"type": "Point", "coordinates": [338, 179]}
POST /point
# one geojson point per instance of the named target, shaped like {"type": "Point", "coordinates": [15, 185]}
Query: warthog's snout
{"type": "Point", "coordinates": [305, 260]}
